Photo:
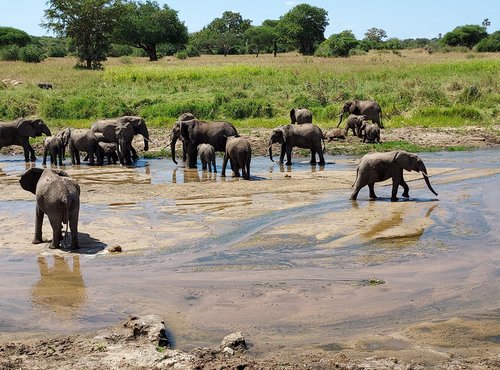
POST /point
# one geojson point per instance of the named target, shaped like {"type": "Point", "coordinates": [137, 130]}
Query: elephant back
{"type": "Point", "coordinates": [106, 127]}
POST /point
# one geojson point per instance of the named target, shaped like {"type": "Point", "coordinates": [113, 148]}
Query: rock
{"type": "Point", "coordinates": [115, 249]}
{"type": "Point", "coordinates": [150, 327]}
{"type": "Point", "coordinates": [228, 351]}
{"type": "Point", "coordinates": [234, 341]}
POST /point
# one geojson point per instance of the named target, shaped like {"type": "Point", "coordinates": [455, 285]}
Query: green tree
{"type": "Point", "coordinates": [468, 35]}
{"type": "Point", "coordinates": [272, 24]}
{"type": "Point", "coordinates": [374, 37]}
{"type": "Point", "coordinates": [146, 25]}
{"type": "Point", "coordinates": [489, 44]}
{"type": "Point", "coordinates": [13, 36]}
{"type": "Point", "coordinates": [88, 23]}
{"type": "Point", "coordinates": [337, 45]}
{"type": "Point", "coordinates": [303, 27]}
{"type": "Point", "coordinates": [260, 37]}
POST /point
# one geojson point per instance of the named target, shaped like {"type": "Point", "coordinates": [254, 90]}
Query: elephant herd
{"type": "Point", "coordinates": [58, 196]}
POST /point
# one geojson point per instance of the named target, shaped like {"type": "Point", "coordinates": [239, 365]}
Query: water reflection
{"type": "Point", "coordinates": [60, 288]}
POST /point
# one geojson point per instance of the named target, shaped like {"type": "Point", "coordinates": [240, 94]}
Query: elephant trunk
{"type": "Point", "coordinates": [172, 149]}
{"type": "Point", "coordinates": [145, 135]}
{"type": "Point", "coordinates": [271, 150]}
{"type": "Point", "coordinates": [426, 178]}
{"type": "Point", "coordinates": [341, 115]}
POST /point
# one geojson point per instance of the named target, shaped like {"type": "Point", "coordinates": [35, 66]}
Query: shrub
{"type": "Point", "coordinates": [56, 51]}
{"type": "Point", "coordinates": [490, 44]}
{"type": "Point", "coordinates": [192, 51]}
{"type": "Point", "coordinates": [337, 45]}
{"type": "Point", "coordinates": [31, 54]}
{"type": "Point", "coordinates": [181, 54]}
{"type": "Point", "coordinates": [119, 50]}
{"type": "Point", "coordinates": [10, 53]}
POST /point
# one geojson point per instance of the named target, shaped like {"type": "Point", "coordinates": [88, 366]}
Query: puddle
{"type": "Point", "coordinates": [284, 255]}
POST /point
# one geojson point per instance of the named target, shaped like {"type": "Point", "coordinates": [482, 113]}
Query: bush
{"type": "Point", "coordinates": [10, 53]}
{"type": "Point", "coordinates": [192, 51]}
{"type": "Point", "coordinates": [181, 54]}
{"type": "Point", "coordinates": [56, 51]}
{"type": "Point", "coordinates": [337, 45]}
{"type": "Point", "coordinates": [31, 54]}
{"type": "Point", "coordinates": [119, 50]}
{"type": "Point", "coordinates": [490, 44]}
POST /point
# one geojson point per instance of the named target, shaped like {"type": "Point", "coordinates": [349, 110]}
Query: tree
{"type": "Point", "coordinates": [468, 35]}
{"type": "Point", "coordinates": [486, 23]}
{"type": "Point", "coordinates": [13, 36]}
{"type": "Point", "coordinates": [260, 37]}
{"type": "Point", "coordinates": [146, 25]}
{"type": "Point", "coordinates": [273, 23]}
{"type": "Point", "coordinates": [489, 44]}
{"type": "Point", "coordinates": [337, 45]}
{"type": "Point", "coordinates": [375, 35]}
{"type": "Point", "coordinates": [304, 27]}
{"type": "Point", "coordinates": [88, 23]}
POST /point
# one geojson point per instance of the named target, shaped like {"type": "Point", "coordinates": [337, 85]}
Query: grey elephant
{"type": "Point", "coordinates": [176, 134]}
{"type": "Point", "coordinates": [195, 132]}
{"type": "Point", "coordinates": [307, 136]}
{"type": "Point", "coordinates": [124, 132]}
{"type": "Point", "coordinates": [370, 132]}
{"type": "Point", "coordinates": [300, 115]}
{"type": "Point", "coordinates": [57, 196]}
{"type": "Point", "coordinates": [108, 151]}
{"type": "Point", "coordinates": [18, 133]}
{"type": "Point", "coordinates": [107, 128]}
{"type": "Point", "coordinates": [82, 140]}
{"type": "Point", "coordinates": [239, 153]}
{"type": "Point", "coordinates": [354, 123]}
{"type": "Point", "coordinates": [377, 167]}
{"type": "Point", "coordinates": [368, 108]}
{"type": "Point", "coordinates": [53, 146]}
{"type": "Point", "coordinates": [206, 153]}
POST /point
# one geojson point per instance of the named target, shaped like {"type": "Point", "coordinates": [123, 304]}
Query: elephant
{"type": "Point", "coordinates": [207, 157]}
{"type": "Point", "coordinates": [108, 150]}
{"type": "Point", "coordinates": [18, 133]}
{"type": "Point", "coordinates": [354, 123]}
{"type": "Point", "coordinates": [54, 147]}
{"type": "Point", "coordinates": [82, 140]}
{"type": "Point", "coordinates": [107, 128]}
{"type": "Point", "coordinates": [195, 132]}
{"type": "Point", "coordinates": [370, 132]}
{"type": "Point", "coordinates": [368, 108]}
{"type": "Point", "coordinates": [176, 134]}
{"type": "Point", "coordinates": [300, 115]}
{"type": "Point", "coordinates": [376, 167]}
{"type": "Point", "coordinates": [239, 153]}
{"type": "Point", "coordinates": [124, 133]}
{"type": "Point", "coordinates": [307, 136]}
{"type": "Point", "coordinates": [57, 196]}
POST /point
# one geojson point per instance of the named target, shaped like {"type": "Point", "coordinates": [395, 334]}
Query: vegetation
{"type": "Point", "coordinates": [490, 44]}
{"type": "Point", "coordinates": [468, 35]}
{"type": "Point", "coordinates": [337, 45]}
{"type": "Point", "coordinates": [13, 36]}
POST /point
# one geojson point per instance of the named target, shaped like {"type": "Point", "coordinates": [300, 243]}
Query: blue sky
{"type": "Point", "coordinates": [399, 18]}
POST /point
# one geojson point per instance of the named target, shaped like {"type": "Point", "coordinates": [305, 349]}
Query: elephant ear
{"type": "Point", "coordinates": [292, 115]}
{"type": "Point", "coordinates": [184, 128]}
{"type": "Point", "coordinates": [284, 133]}
{"type": "Point", "coordinates": [30, 178]}
{"type": "Point", "coordinates": [406, 160]}
{"type": "Point", "coordinates": [352, 106]}
{"type": "Point", "coordinates": [27, 127]}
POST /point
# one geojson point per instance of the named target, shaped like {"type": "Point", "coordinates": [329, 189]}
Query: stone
{"type": "Point", "coordinates": [234, 341]}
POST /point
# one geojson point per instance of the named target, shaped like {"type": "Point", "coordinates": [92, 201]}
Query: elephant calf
{"type": "Point", "coordinates": [82, 140]}
{"type": "Point", "coordinates": [371, 132]}
{"type": "Point", "coordinates": [207, 157]}
{"type": "Point", "coordinates": [354, 123]}
{"type": "Point", "coordinates": [239, 153]}
{"type": "Point", "coordinates": [57, 196]}
{"type": "Point", "coordinates": [377, 167]}
{"type": "Point", "coordinates": [108, 150]}
{"type": "Point", "coordinates": [300, 116]}
{"type": "Point", "coordinates": [54, 147]}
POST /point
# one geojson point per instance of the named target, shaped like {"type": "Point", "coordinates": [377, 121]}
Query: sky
{"type": "Point", "coordinates": [399, 18]}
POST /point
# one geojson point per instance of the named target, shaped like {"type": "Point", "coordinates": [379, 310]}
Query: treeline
{"type": "Point", "coordinates": [93, 30]}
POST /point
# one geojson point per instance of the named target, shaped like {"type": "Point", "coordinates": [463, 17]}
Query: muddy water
{"type": "Point", "coordinates": [286, 258]}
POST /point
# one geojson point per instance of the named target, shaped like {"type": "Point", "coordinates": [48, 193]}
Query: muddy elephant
{"type": "Point", "coordinates": [377, 167]}
{"type": "Point", "coordinates": [368, 108]}
{"type": "Point", "coordinates": [300, 115]}
{"type": "Point", "coordinates": [195, 132]}
{"type": "Point", "coordinates": [108, 151]}
{"type": "Point", "coordinates": [206, 152]}
{"type": "Point", "coordinates": [107, 128]}
{"type": "Point", "coordinates": [176, 135]}
{"type": "Point", "coordinates": [354, 123]}
{"type": "Point", "coordinates": [239, 153]}
{"type": "Point", "coordinates": [307, 136]}
{"type": "Point", "coordinates": [18, 133]}
{"type": "Point", "coordinates": [82, 140]}
{"type": "Point", "coordinates": [53, 146]}
{"type": "Point", "coordinates": [57, 196]}
{"type": "Point", "coordinates": [370, 132]}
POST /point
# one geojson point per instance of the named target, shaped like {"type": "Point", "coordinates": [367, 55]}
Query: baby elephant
{"type": "Point", "coordinates": [207, 157]}
{"type": "Point", "coordinates": [58, 196]}
{"type": "Point", "coordinates": [354, 123]}
{"type": "Point", "coordinates": [108, 151]}
{"type": "Point", "coordinates": [54, 147]}
{"type": "Point", "coordinates": [371, 132]}
{"type": "Point", "coordinates": [239, 153]}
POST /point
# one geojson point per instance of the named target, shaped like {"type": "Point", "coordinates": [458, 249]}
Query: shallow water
{"type": "Point", "coordinates": [298, 268]}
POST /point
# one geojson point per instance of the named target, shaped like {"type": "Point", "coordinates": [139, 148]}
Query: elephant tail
{"type": "Point", "coordinates": [357, 174]}
{"type": "Point", "coordinates": [324, 146]}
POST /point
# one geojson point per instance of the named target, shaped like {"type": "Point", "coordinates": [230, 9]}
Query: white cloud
{"type": "Point", "coordinates": [291, 3]}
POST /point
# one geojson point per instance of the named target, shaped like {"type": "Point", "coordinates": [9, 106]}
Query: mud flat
{"type": "Point", "coordinates": [308, 276]}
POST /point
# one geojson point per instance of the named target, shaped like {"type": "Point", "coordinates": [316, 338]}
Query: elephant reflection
{"type": "Point", "coordinates": [189, 174]}
{"type": "Point", "coordinates": [60, 287]}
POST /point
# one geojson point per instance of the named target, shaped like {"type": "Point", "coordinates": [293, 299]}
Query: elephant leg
{"type": "Point", "coordinates": [313, 157]}
{"type": "Point", "coordinates": [224, 165]}
{"type": "Point", "coordinates": [406, 188]}
{"type": "Point", "coordinates": [213, 164]}
{"type": "Point", "coordinates": [135, 157]}
{"type": "Point", "coordinates": [86, 158]}
{"type": "Point", "coordinates": [192, 155]}
{"type": "Point", "coordinates": [289, 155]}
{"type": "Point", "coordinates": [235, 167]}
{"type": "Point", "coordinates": [395, 184]}
{"type": "Point", "coordinates": [321, 157]}
{"type": "Point", "coordinates": [32, 153]}
{"type": "Point", "coordinates": [56, 232]}
{"type": "Point", "coordinates": [90, 154]}
{"type": "Point", "coordinates": [282, 154]}
{"type": "Point", "coordinates": [371, 187]}
{"type": "Point", "coordinates": [184, 151]}
{"type": "Point", "coordinates": [77, 157]}
{"type": "Point", "coordinates": [38, 226]}
{"type": "Point", "coordinates": [44, 161]}
{"type": "Point", "coordinates": [73, 226]}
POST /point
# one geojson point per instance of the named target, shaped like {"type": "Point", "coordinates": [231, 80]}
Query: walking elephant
{"type": "Point", "coordinates": [368, 108]}
{"type": "Point", "coordinates": [207, 157]}
{"type": "Point", "coordinates": [53, 146]}
{"type": "Point", "coordinates": [176, 135]}
{"type": "Point", "coordinates": [18, 133]}
{"type": "Point", "coordinates": [239, 153]}
{"type": "Point", "coordinates": [57, 196]}
{"type": "Point", "coordinates": [195, 132]}
{"type": "Point", "coordinates": [377, 167]}
{"type": "Point", "coordinates": [82, 140]}
{"type": "Point", "coordinates": [300, 115]}
{"type": "Point", "coordinates": [307, 136]}
{"type": "Point", "coordinates": [107, 128]}
{"type": "Point", "coordinates": [370, 132]}
{"type": "Point", "coordinates": [354, 123]}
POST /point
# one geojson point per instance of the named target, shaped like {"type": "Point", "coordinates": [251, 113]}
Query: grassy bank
{"type": "Point", "coordinates": [413, 88]}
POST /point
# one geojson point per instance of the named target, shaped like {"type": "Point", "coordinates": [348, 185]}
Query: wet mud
{"type": "Point", "coordinates": [286, 258]}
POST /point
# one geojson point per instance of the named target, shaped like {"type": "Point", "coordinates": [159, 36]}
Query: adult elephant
{"type": "Point", "coordinates": [300, 115]}
{"type": "Point", "coordinates": [368, 108]}
{"type": "Point", "coordinates": [376, 167]}
{"type": "Point", "coordinates": [82, 140]}
{"type": "Point", "coordinates": [124, 133]}
{"type": "Point", "coordinates": [18, 133]}
{"type": "Point", "coordinates": [107, 128]}
{"type": "Point", "coordinates": [307, 136]}
{"type": "Point", "coordinates": [176, 135]}
{"type": "Point", "coordinates": [195, 132]}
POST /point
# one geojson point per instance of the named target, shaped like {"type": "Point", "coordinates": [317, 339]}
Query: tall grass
{"type": "Point", "coordinates": [413, 88]}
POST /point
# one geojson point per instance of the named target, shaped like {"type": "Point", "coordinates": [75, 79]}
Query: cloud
{"type": "Point", "coordinates": [291, 3]}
